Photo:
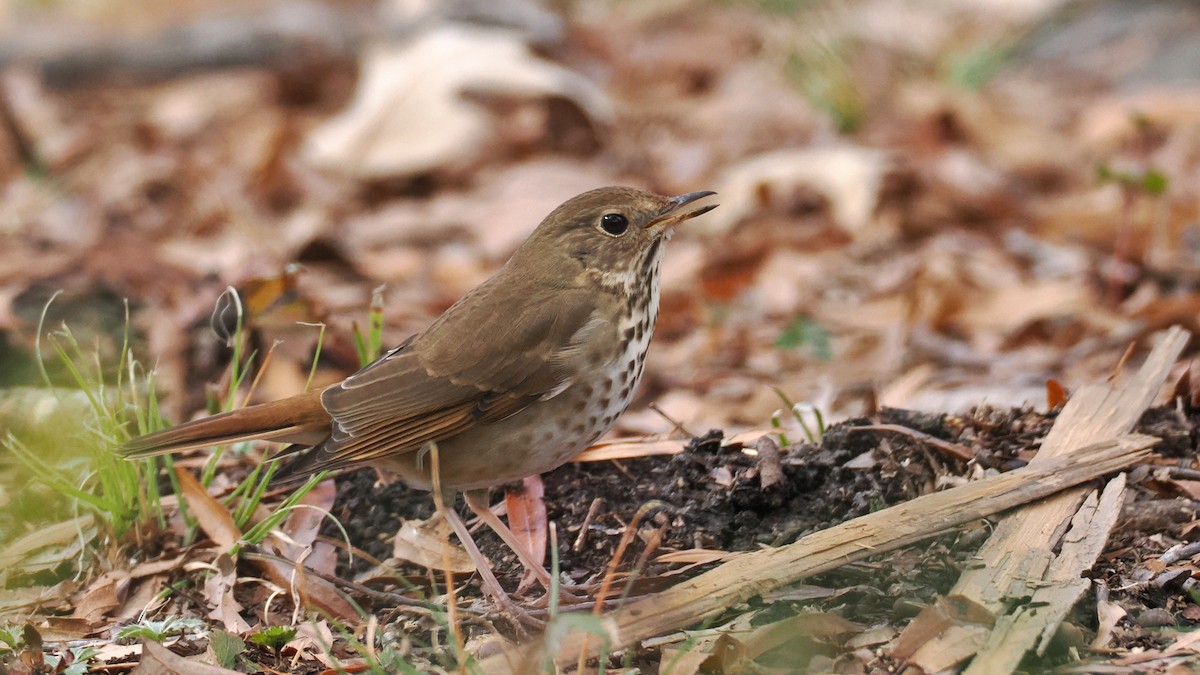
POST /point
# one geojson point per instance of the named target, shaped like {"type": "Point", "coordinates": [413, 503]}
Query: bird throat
{"type": "Point", "coordinates": [639, 295]}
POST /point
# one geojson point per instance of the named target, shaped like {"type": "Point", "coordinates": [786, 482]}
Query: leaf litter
{"type": "Point", "coordinates": [918, 232]}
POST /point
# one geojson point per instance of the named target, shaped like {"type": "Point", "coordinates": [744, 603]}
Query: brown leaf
{"type": "Point", "coordinates": [313, 640]}
{"type": "Point", "coordinates": [629, 448]}
{"type": "Point", "coordinates": [1108, 613]}
{"type": "Point", "coordinates": [437, 126]}
{"type": "Point", "coordinates": [527, 520]}
{"type": "Point", "coordinates": [314, 591]}
{"type": "Point", "coordinates": [158, 660]}
{"type": "Point", "coordinates": [144, 596]}
{"type": "Point", "coordinates": [681, 662]}
{"type": "Point", "coordinates": [728, 656]}
{"type": "Point", "coordinates": [15, 602]}
{"type": "Point", "coordinates": [1188, 488]}
{"type": "Point", "coordinates": [848, 176]}
{"type": "Point", "coordinates": [1056, 394]}
{"type": "Point", "coordinates": [809, 625]}
{"type": "Point", "coordinates": [212, 515]}
{"type": "Point", "coordinates": [935, 619]}
{"type": "Point", "coordinates": [65, 628]}
{"type": "Point", "coordinates": [426, 543]}
{"type": "Point", "coordinates": [218, 591]}
{"type": "Point", "coordinates": [104, 595]}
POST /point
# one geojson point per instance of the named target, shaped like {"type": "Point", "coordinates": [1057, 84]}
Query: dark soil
{"type": "Point", "coordinates": [711, 493]}
{"type": "Point", "coordinates": [711, 497]}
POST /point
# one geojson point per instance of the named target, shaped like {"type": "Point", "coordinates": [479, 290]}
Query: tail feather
{"type": "Point", "coordinates": [295, 464]}
{"type": "Point", "coordinates": [300, 419]}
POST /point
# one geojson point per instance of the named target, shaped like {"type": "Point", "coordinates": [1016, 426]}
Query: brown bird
{"type": "Point", "coordinates": [514, 379]}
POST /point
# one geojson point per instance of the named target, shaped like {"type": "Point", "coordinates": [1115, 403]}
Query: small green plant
{"type": "Point", "coordinates": [76, 662]}
{"type": "Point", "coordinates": [25, 643]}
{"type": "Point", "coordinates": [274, 638]}
{"type": "Point", "coordinates": [825, 76]}
{"type": "Point", "coordinates": [804, 332]}
{"type": "Point", "coordinates": [159, 631]}
{"type": "Point", "coordinates": [371, 346]}
{"type": "Point", "coordinates": [263, 527]}
{"type": "Point", "coordinates": [82, 467]}
{"type": "Point", "coordinates": [1146, 181]}
{"type": "Point", "coordinates": [974, 68]}
{"type": "Point", "coordinates": [1139, 181]}
{"type": "Point", "coordinates": [800, 411]}
{"type": "Point", "coordinates": [391, 654]}
{"type": "Point", "coordinates": [10, 640]}
{"type": "Point", "coordinates": [247, 496]}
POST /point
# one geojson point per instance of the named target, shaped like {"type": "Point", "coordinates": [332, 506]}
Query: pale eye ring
{"type": "Point", "coordinates": [614, 224]}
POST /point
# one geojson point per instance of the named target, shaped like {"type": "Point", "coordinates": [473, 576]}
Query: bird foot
{"type": "Point", "coordinates": [523, 620]}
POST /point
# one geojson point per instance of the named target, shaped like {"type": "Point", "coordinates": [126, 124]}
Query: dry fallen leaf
{"type": "Point", "coordinates": [314, 592]}
{"type": "Point", "coordinates": [158, 660]}
{"type": "Point", "coordinates": [424, 542]}
{"type": "Point", "coordinates": [218, 591]}
{"type": "Point", "coordinates": [628, 448]}
{"type": "Point", "coordinates": [104, 595]}
{"type": "Point", "coordinates": [848, 176]}
{"type": "Point", "coordinates": [527, 519]}
{"type": "Point", "coordinates": [410, 114]}
{"type": "Point", "coordinates": [211, 514]}
{"type": "Point", "coordinates": [1108, 613]}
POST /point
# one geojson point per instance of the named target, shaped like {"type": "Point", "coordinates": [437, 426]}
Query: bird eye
{"type": "Point", "coordinates": [614, 224]}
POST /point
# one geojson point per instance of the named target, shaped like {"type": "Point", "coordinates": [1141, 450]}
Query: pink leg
{"type": "Point", "coordinates": [490, 583]}
{"type": "Point", "coordinates": [477, 501]}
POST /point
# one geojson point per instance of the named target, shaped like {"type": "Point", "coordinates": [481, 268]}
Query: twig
{"type": "Point", "coordinates": [770, 465]}
{"type": "Point", "coordinates": [674, 422]}
{"type": "Point", "coordinates": [955, 450]}
{"type": "Point", "coordinates": [587, 524]}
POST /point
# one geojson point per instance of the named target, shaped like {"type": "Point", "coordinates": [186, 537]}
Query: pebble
{"type": "Point", "coordinates": [1154, 618]}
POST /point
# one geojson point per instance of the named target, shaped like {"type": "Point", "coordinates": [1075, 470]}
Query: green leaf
{"type": "Point", "coordinates": [274, 638]}
{"type": "Point", "coordinates": [161, 630]}
{"type": "Point", "coordinates": [804, 332]}
{"type": "Point", "coordinates": [972, 70]}
{"type": "Point", "coordinates": [226, 647]}
{"type": "Point", "coordinates": [1154, 182]}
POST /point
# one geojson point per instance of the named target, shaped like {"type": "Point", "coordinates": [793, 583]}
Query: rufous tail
{"type": "Point", "coordinates": [299, 419]}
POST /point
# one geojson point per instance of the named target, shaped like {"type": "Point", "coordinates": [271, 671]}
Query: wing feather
{"type": "Point", "coordinates": [473, 366]}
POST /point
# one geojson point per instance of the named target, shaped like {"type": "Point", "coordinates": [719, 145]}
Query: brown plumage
{"type": "Point", "coordinates": [514, 379]}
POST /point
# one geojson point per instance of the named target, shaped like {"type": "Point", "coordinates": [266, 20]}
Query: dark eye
{"type": "Point", "coordinates": [614, 224]}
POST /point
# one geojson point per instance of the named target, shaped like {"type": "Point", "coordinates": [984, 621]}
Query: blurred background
{"type": "Point", "coordinates": [923, 204]}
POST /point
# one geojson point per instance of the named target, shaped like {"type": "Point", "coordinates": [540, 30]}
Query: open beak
{"type": "Point", "coordinates": [673, 215]}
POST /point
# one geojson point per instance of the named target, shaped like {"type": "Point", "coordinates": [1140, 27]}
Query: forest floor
{"type": "Point", "coordinates": [938, 223]}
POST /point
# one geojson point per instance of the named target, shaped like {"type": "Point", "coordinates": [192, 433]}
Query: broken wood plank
{"type": "Point", "coordinates": [708, 595]}
{"type": "Point", "coordinates": [1036, 621]}
{"type": "Point", "coordinates": [1013, 563]}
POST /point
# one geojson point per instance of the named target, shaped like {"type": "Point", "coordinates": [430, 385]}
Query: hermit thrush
{"type": "Point", "coordinates": [514, 379]}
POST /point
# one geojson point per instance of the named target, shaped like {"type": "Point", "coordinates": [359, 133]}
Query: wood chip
{"type": "Point", "coordinates": [1017, 560]}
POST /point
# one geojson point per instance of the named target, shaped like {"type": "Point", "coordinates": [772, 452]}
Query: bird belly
{"type": "Point", "coordinates": [540, 438]}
